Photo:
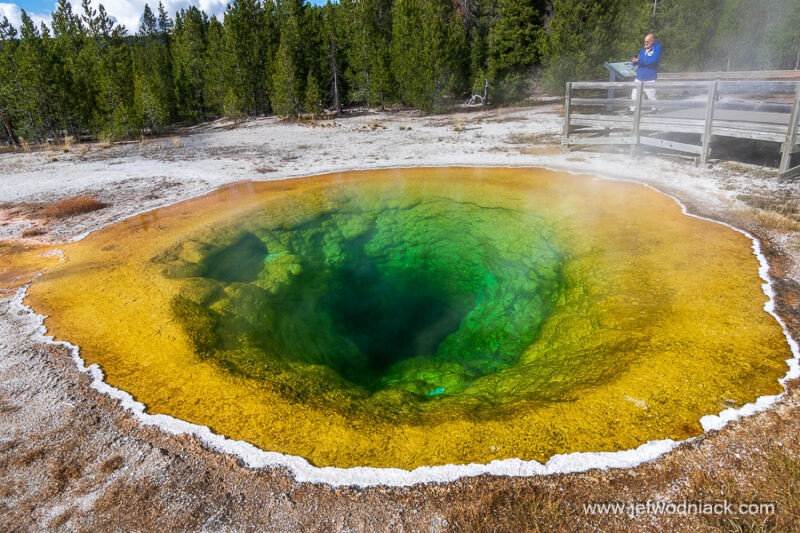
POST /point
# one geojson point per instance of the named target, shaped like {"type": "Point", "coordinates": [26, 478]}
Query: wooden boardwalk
{"type": "Point", "coordinates": [686, 116]}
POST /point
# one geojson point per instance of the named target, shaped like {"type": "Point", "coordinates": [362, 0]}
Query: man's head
{"type": "Point", "coordinates": [649, 39]}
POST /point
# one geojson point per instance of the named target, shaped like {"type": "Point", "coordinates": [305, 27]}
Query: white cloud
{"type": "Point", "coordinates": [129, 13]}
{"type": "Point", "coordinates": [12, 12]}
{"type": "Point", "coordinates": [125, 12]}
{"type": "Point", "coordinates": [14, 15]}
{"type": "Point", "coordinates": [213, 7]}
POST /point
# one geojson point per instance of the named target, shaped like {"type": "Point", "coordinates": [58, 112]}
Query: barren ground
{"type": "Point", "coordinates": [71, 458]}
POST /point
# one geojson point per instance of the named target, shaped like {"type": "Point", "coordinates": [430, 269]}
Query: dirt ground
{"type": "Point", "coordinates": [71, 458]}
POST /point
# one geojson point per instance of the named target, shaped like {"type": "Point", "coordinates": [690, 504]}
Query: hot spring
{"type": "Point", "coordinates": [401, 318]}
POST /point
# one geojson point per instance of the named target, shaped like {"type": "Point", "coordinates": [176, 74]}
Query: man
{"type": "Point", "coordinates": [647, 65]}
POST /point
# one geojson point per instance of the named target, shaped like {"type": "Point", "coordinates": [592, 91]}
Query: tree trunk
{"type": "Point", "coordinates": [7, 127]}
{"type": "Point", "coordinates": [334, 71]}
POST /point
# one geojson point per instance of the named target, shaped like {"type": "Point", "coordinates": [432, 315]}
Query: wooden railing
{"type": "Point", "coordinates": [686, 116]}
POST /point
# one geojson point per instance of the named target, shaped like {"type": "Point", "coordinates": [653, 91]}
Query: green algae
{"type": "Point", "coordinates": [422, 297]}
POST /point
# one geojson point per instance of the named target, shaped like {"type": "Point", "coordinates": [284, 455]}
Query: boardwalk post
{"type": "Point", "coordinates": [637, 115]}
{"type": "Point", "coordinates": [709, 127]}
{"type": "Point", "coordinates": [567, 98]}
{"type": "Point", "coordinates": [791, 133]}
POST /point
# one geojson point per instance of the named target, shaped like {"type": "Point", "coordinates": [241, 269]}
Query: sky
{"type": "Point", "coordinates": [126, 12]}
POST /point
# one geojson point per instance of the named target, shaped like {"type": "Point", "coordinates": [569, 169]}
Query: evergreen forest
{"type": "Point", "coordinates": [83, 75]}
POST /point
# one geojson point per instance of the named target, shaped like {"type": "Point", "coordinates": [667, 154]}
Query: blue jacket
{"type": "Point", "coordinates": [648, 63]}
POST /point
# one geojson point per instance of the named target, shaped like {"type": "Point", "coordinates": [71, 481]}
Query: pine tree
{"type": "Point", "coordinates": [33, 99]}
{"type": "Point", "coordinates": [335, 39]}
{"type": "Point", "coordinates": [514, 44]}
{"type": "Point", "coordinates": [456, 78]}
{"type": "Point", "coordinates": [88, 69]}
{"type": "Point", "coordinates": [685, 30]}
{"type": "Point", "coordinates": [270, 41]}
{"type": "Point", "coordinates": [369, 32]}
{"type": "Point", "coordinates": [782, 36]}
{"type": "Point", "coordinates": [149, 24]}
{"type": "Point", "coordinates": [287, 71]}
{"type": "Point", "coordinates": [738, 32]}
{"type": "Point", "coordinates": [244, 25]}
{"type": "Point", "coordinates": [74, 86]}
{"type": "Point", "coordinates": [188, 52]}
{"type": "Point", "coordinates": [219, 96]}
{"type": "Point", "coordinates": [152, 80]}
{"type": "Point", "coordinates": [286, 88]}
{"type": "Point", "coordinates": [314, 54]}
{"type": "Point", "coordinates": [756, 35]}
{"type": "Point", "coordinates": [7, 31]}
{"type": "Point", "coordinates": [8, 82]}
{"type": "Point", "coordinates": [165, 25]}
{"type": "Point", "coordinates": [411, 66]}
{"type": "Point", "coordinates": [429, 51]}
{"type": "Point", "coordinates": [478, 16]}
{"type": "Point", "coordinates": [581, 36]}
{"type": "Point", "coordinates": [165, 28]}
{"type": "Point", "coordinates": [312, 103]}
{"type": "Point", "coordinates": [108, 57]}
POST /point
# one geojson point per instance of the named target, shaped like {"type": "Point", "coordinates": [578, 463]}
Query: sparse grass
{"type": "Point", "coordinates": [541, 149]}
{"type": "Point", "coordinates": [7, 407]}
{"type": "Point", "coordinates": [60, 145]}
{"type": "Point", "coordinates": [33, 232]}
{"type": "Point", "coordinates": [531, 138]}
{"type": "Point", "coordinates": [784, 475]}
{"type": "Point", "coordinates": [513, 509]}
{"type": "Point", "coordinates": [176, 142]}
{"type": "Point", "coordinates": [112, 465]}
{"type": "Point", "coordinates": [777, 490]}
{"type": "Point", "coordinates": [772, 221]}
{"type": "Point", "coordinates": [26, 459]}
{"type": "Point", "coordinates": [62, 474]}
{"type": "Point", "coordinates": [792, 245]}
{"type": "Point", "coordinates": [316, 122]}
{"type": "Point", "coordinates": [506, 114]}
{"type": "Point", "coordinates": [782, 204]}
{"type": "Point", "coordinates": [754, 171]}
{"type": "Point", "coordinates": [773, 483]}
{"type": "Point", "coordinates": [62, 519]}
{"type": "Point", "coordinates": [69, 207]}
